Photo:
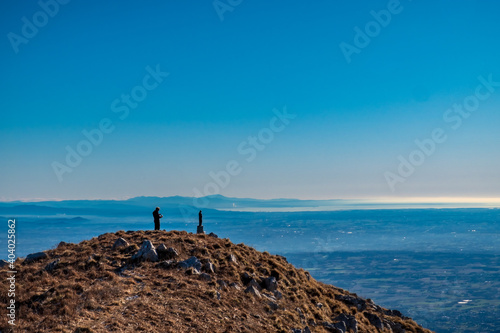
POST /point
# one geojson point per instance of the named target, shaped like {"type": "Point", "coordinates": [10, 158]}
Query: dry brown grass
{"type": "Point", "coordinates": [87, 291]}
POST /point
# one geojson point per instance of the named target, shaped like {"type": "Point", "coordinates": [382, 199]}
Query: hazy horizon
{"type": "Point", "coordinates": [340, 204]}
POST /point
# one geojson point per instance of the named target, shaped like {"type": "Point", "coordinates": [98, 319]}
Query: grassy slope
{"type": "Point", "coordinates": [88, 292]}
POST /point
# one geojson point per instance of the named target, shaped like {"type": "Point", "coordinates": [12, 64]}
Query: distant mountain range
{"type": "Point", "coordinates": [178, 205]}
{"type": "Point", "coordinates": [139, 205]}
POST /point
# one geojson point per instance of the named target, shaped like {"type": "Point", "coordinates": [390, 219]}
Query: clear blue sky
{"type": "Point", "coordinates": [355, 113]}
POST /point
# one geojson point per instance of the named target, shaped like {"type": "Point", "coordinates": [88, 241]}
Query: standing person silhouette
{"type": "Point", "coordinates": [157, 216]}
{"type": "Point", "coordinates": [200, 218]}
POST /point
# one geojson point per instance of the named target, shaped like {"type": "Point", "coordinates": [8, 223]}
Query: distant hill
{"type": "Point", "coordinates": [189, 206]}
{"type": "Point", "coordinates": [141, 205]}
{"type": "Point", "coordinates": [178, 282]}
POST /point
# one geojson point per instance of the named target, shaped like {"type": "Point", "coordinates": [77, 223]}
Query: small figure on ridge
{"type": "Point", "coordinates": [157, 216]}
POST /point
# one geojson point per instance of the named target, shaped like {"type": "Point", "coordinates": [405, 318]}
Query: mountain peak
{"type": "Point", "coordinates": [158, 281]}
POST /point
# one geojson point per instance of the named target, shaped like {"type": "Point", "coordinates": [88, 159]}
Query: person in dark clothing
{"type": "Point", "coordinates": [157, 216]}
{"type": "Point", "coordinates": [200, 218]}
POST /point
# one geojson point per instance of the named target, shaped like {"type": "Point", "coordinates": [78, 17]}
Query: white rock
{"type": "Point", "coordinates": [146, 252]}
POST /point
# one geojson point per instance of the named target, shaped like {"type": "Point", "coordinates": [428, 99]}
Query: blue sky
{"type": "Point", "coordinates": [351, 119]}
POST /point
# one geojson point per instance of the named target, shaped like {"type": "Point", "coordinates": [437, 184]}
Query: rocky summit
{"type": "Point", "coordinates": [158, 281]}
